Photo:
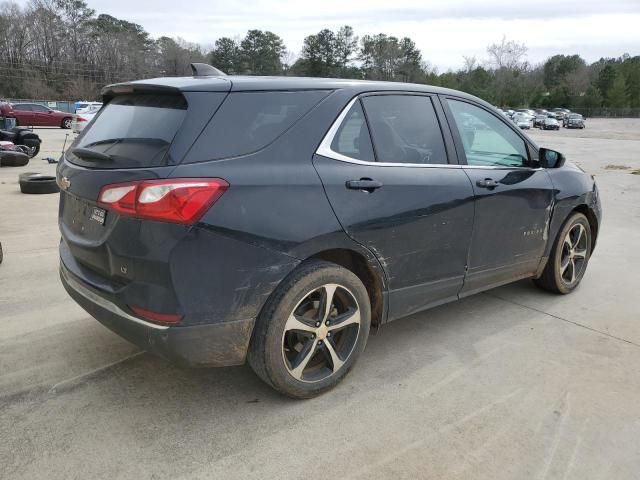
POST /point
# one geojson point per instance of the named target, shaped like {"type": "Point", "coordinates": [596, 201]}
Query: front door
{"type": "Point", "coordinates": [399, 196]}
{"type": "Point", "coordinates": [42, 116]}
{"type": "Point", "coordinates": [513, 197]}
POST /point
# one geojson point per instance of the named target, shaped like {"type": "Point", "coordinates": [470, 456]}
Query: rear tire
{"type": "Point", "coordinates": [302, 347]}
{"type": "Point", "coordinates": [569, 257]}
{"type": "Point", "coordinates": [38, 184]}
{"type": "Point", "coordinates": [66, 123]}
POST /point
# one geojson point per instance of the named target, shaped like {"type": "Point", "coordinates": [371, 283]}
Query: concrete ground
{"type": "Point", "coordinates": [514, 383]}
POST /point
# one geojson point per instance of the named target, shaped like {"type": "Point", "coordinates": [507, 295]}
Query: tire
{"type": "Point", "coordinates": [278, 345]}
{"type": "Point", "coordinates": [34, 183]}
{"type": "Point", "coordinates": [9, 158]}
{"type": "Point", "coordinates": [34, 151]}
{"type": "Point", "coordinates": [556, 278]}
{"type": "Point", "coordinates": [66, 123]}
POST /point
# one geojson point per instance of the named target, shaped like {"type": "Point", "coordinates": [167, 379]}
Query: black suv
{"type": "Point", "coordinates": [215, 219]}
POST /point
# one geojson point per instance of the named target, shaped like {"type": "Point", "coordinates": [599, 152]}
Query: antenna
{"type": "Point", "coordinates": [204, 70]}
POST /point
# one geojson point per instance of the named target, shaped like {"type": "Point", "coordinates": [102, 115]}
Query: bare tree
{"type": "Point", "coordinates": [470, 63]}
{"type": "Point", "coordinates": [507, 54]}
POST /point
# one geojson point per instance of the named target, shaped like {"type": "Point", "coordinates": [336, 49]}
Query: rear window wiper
{"type": "Point", "coordinates": [89, 154]}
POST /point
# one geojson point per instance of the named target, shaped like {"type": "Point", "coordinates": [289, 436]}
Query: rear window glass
{"type": "Point", "coordinates": [131, 131]}
{"type": "Point", "coordinates": [249, 121]}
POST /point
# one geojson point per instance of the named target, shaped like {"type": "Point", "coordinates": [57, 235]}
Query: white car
{"type": "Point", "coordinates": [84, 116]}
{"type": "Point", "coordinates": [522, 120]}
{"type": "Point", "coordinates": [84, 107]}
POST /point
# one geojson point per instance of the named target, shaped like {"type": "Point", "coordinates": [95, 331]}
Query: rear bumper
{"type": "Point", "coordinates": [209, 345]}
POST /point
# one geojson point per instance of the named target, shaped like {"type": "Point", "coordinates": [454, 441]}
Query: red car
{"type": "Point", "coordinates": [36, 115]}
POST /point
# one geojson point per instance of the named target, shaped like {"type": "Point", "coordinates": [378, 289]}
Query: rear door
{"type": "Point", "coordinates": [23, 114]}
{"type": "Point", "coordinates": [513, 196]}
{"type": "Point", "coordinates": [387, 171]}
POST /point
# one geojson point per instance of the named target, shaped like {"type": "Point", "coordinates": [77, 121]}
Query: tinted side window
{"type": "Point", "coordinates": [352, 138]}
{"type": "Point", "coordinates": [39, 108]}
{"type": "Point", "coordinates": [405, 129]}
{"type": "Point", "coordinates": [486, 139]}
{"type": "Point", "coordinates": [249, 121]}
{"type": "Point", "coordinates": [22, 108]}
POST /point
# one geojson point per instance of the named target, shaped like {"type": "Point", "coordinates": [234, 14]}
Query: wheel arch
{"type": "Point", "coordinates": [588, 212]}
{"type": "Point", "coordinates": [371, 277]}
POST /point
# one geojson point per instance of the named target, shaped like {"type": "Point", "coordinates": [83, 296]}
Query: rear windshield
{"type": "Point", "coordinates": [132, 131]}
{"type": "Point", "coordinates": [249, 121]}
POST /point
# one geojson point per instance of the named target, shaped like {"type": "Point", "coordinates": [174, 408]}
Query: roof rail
{"type": "Point", "coordinates": [204, 70]}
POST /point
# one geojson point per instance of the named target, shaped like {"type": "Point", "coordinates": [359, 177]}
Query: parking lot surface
{"type": "Point", "coordinates": [513, 383]}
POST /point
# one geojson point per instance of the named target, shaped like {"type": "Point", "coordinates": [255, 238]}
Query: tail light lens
{"type": "Point", "coordinates": [80, 119]}
{"type": "Point", "coordinates": [167, 318]}
{"type": "Point", "coordinates": [176, 200]}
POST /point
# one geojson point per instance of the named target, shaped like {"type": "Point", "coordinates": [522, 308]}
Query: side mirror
{"type": "Point", "coordinates": [550, 158]}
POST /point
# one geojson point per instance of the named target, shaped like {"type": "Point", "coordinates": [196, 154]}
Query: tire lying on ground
{"type": "Point", "coordinates": [35, 183]}
{"type": "Point", "coordinates": [10, 158]}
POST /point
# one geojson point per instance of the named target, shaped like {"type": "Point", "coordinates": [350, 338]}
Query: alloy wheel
{"type": "Point", "coordinates": [321, 333]}
{"type": "Point", "coordinates": [573, 258]}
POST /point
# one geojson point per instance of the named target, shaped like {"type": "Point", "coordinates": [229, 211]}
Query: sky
{"type": "Point", "coordinates": [444, 30]}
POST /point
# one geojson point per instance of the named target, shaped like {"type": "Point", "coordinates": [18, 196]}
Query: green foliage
{"type": "Point", "coordinates": [261, 53]}
{"type": "Point", "coordinates": [557, 68]}
{"type": "Point", "coordinates": [617, 94]}
{"type": "Point", "coordinates": [226, 56]}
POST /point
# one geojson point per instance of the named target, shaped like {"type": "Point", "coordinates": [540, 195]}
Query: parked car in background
{"type": "Point", "coordinates": [528, 111]}
{"type": "Point", "coordinates": [560, 113]}
{"type": "Point", "coordinates": [550, 123]}
{"type": "Point", "coordinates": [89, 107]}
{"type": "Point", "coordinates": [6, 110]}
{"type": "Point", "coordinates": [81, 106]}
{"type": "Point", "coordinates": [36, 115]}
{"type": "Point", "coordinates": [538, 121]}
{"type": "Point", "coordinates": [81, 119]}
{"type": "Point", "coordinates": [522, 120]}
{"type": "Point", "coordinates": [573, 120]}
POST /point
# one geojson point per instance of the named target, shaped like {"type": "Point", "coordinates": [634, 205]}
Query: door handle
{"type": "Point", "coordinates": [363, 184]}
{"type": "Point", "coordinates": [487, 183]}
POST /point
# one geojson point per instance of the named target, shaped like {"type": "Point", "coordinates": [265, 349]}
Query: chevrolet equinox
{"type": "Point", "coordinates": [215, 220]}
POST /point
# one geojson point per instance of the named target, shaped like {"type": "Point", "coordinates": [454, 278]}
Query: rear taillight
{"type": "Point", "coordinates": [176, 200]}
{"type": "Point", "coordinates": [155, 316]}
{"type": "Point", "coordinates": [81, 119]}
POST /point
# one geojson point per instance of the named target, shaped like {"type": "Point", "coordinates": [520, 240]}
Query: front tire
{"type": "Point", "coordinates": [312, 330]}
{"type": "Point", "coordinates": [569, 257]}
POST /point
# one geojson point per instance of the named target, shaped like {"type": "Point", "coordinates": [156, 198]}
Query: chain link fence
{"type": "Point", "coordinates": [608, 112]}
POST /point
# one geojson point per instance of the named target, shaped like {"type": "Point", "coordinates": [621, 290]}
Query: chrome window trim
{"type": "Point", "coordinates": [326, 151]}
{"type": "Point", "coordinates": [325, 147]}
{"type": "Point", "coordinates": [103, 302]}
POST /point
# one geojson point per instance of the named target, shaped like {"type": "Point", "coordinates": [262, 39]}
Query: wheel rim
{"type": "Point", "coordinates": [67, 123]}
{"type": "Point", "coordinates": [321, 333]}
{"type": "Point", "coordinates": [573, 259]}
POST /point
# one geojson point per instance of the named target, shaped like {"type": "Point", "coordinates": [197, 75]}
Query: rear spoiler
{"type": "Point", "coordinates": [111, 91]}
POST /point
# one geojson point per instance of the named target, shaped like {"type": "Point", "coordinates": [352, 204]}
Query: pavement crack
{"type": "Point", "coordinates": [586, 327]}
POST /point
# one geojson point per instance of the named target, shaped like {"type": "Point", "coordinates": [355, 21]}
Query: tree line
{"type": "Point", "coordinates": [64, 49]}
